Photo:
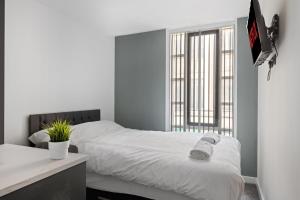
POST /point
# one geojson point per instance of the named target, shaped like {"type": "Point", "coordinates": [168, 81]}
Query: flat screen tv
{"type": "Point", "coordinates": [260, 43]}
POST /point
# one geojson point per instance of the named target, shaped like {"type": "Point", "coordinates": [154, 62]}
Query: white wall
{"type": "Point", "coordinates": [279, 108]}
{"type": "Point", "coordinates": [53, 63]}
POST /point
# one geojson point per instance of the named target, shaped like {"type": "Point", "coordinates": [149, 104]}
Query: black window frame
{"type": "Point", "coordinates": [215, 122]}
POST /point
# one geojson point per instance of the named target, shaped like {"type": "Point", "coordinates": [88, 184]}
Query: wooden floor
{"type": "Point", "coordinates": [250, 193]}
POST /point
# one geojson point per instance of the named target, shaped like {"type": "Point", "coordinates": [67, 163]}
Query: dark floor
{"type": "Point", "coordinates": [250, 193]}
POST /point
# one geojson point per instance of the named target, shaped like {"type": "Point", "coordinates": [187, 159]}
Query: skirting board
{"type": "Point", "coordinates": [253, 180]}
{"type": "Point", "coordinates": [260, 193]}
{"type": "Point", "coordinates": [250, 180]}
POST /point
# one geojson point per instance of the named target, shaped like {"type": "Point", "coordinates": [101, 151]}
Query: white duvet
{"type": "Point", "coordinates": [161, 160]}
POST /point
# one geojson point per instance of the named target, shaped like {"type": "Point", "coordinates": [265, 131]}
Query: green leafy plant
{"type": "Point", "coordinates": [59, 131]}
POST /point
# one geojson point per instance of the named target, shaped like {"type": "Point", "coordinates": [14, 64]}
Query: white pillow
{"type": "Point", "coordinates": [38, 137]}
{"type": "Point", "coordinates": [88, 131]}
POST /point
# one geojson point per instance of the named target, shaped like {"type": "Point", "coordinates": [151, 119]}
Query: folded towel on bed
{"type": "Point", "coordinates": [201, 151]}
{"type": "Point", "coordinates": [212, 138]}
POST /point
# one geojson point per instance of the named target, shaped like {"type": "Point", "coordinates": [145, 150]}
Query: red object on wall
{"type": "Point", "coordinates": [253, 36]}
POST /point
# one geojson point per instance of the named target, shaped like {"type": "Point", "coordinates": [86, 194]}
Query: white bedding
{"type": "Point", "coordinates": [161, 160]}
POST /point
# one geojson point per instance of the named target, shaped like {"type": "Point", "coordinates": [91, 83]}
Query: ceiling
{"type": "Point", "coordinates": [119, 17]}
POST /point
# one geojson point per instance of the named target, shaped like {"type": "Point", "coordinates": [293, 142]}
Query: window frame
{"type": "Point", "coordinates": [216, 121]}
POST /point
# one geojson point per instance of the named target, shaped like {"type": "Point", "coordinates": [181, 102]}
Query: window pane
{"type": "Point", "coordinates": [202, 79]}
{"type": "Point", "coordinates": [226, 81]}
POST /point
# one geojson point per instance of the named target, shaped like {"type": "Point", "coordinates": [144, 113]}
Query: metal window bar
{"type": "Point", "coordinates": [223, 74]}
{"type": "Point", "coordinates": [230, 85]}
{"type": "Point", "coordinates": [195, 83]}
{"type": "Point", "coordinates": [185, 81]}
{"type": "Point", "coordinates": [176, 89]}
{"type": "Point", "coordinates": [203, 83]}
{"type": "Point", "coordinates": [179, 120]}
{"type": "Point", "coordinates": [199, 81]}
{"type": "Point", "coordinates": [208, 72]}
{"type": "Point", "coordinates": [171, 81]}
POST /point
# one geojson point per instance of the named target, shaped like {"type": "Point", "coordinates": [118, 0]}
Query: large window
{"type": "Point", "coordinates": [202, 65]}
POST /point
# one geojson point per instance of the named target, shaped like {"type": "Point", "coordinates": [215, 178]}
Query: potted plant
{"type": "Point", "coordinates": [59, 132]}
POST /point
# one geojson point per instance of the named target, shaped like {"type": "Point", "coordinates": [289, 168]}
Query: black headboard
{"type": "Point", "coordinates": [37, 121]}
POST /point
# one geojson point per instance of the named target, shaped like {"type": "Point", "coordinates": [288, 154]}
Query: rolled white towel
{"type": "Point", "coordinates": [201, 151]}
{"type": "Point", "coordinates": [210, 137]}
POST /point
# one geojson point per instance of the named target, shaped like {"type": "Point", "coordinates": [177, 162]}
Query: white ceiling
{"type": "Point", "coordinates": [118, 17]}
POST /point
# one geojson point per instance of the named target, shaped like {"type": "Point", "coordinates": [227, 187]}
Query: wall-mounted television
{"type": "Point", "coordinates": [260, 43]}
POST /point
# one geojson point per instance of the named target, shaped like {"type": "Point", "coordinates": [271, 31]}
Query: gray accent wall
{"type": "Point", "coordinates": [246, 101]}
{"type": "Point", "coordinates": [140, 80]}
{"type": "Point", "coordinates": [2, 27]}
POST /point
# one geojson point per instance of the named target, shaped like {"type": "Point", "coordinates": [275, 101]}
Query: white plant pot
{"type": "Point", "coordinates": [59, 150]}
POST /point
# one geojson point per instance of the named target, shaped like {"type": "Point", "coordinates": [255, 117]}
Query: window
{"type": "Point", "coordinates": [201, 67]}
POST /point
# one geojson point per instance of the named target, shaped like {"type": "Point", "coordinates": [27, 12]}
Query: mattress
{"type": "Point", "coordinates": [161, 160]}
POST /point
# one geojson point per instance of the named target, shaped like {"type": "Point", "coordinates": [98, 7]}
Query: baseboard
{"type": "Point", "coordinates": [250, 180]}
{"type": "Point", "coordinates": [260, 193]}
{"type": "Point", "coordinates": [253, 180]}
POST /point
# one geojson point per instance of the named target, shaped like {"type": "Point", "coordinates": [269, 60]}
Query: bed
{"type": "Point", "coordinates": [134, 164]}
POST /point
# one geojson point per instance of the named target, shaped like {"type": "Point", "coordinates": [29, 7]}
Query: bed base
{"type": "Point", "coordinates": [93, 194]}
